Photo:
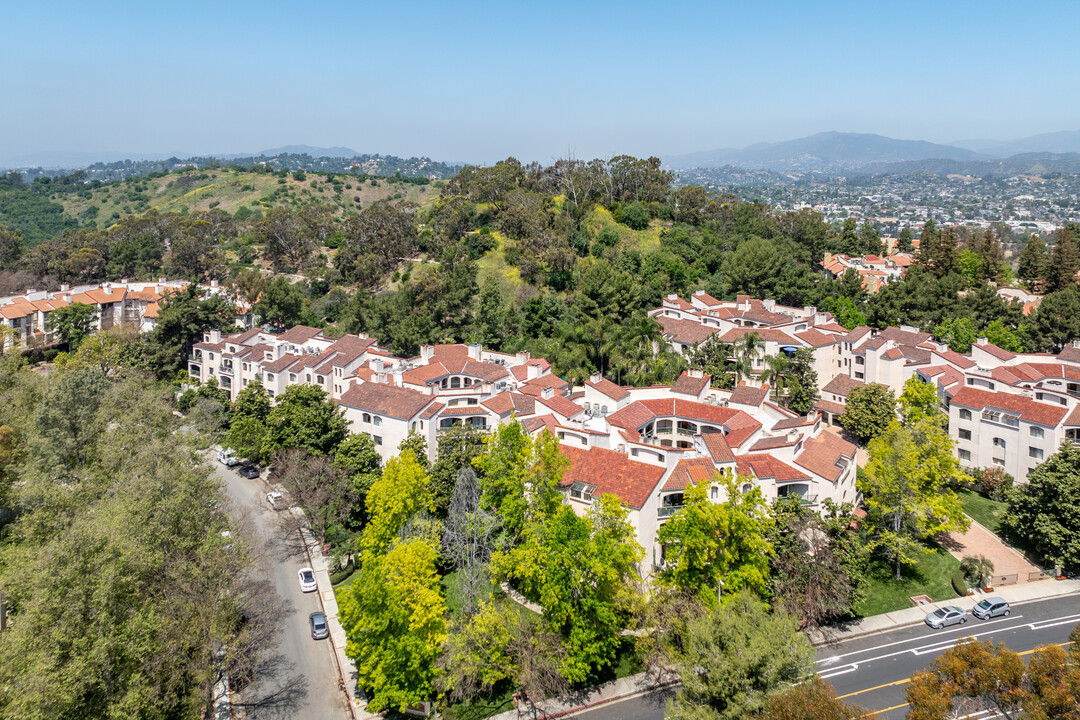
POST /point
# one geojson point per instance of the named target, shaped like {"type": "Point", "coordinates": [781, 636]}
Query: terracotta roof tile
{"type": "Point", "coordinates": [608, 388]}
{"type": "Point", "coordinates": [689, 385]}
{"type": "Point", "coordinates": [718, 447]}
{"type": "Point", "coordinates": [842, 385]}
{"type": "Point", "coordinates": [298, 334]}
{"type": "Point", "coordinates": [772, 443]}
{"type": "Point", "coordinates": [1027, 409]}
{"type": "Point", "coordinates": [686, 332]}
{"type": "Point", "coordinates": [992, 349]}
{"type": "Point", "coordinates": [611, 473]}
{"type": "Point", "coordinates": [820, 454]}
{"type": "Point", "coordinates": [561, 405]}
{"type": "Point", "coordinates": [746, 395]}
{"type": "Point", "coordinates": [766, 467]}
{"type": "Point", "coordinates": [816, 338]}
{"type": "Point", "coordinates": [690, 471]}
{"type": "Point", "coordinates": [397, 402]}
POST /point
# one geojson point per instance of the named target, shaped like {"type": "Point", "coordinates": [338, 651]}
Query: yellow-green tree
{"type": "Point", "coordinates": [706, 543]}
{"type": "Point", "coordinates": [394, 613]}
{"type": "Point", "coordinates": [905, 489]}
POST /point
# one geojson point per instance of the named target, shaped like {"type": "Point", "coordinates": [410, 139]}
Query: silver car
{"type": "Point", "coordinates": [948, 615]}
{"type": "Point", "coordinates": [319, 629]}
{"type": "Point", "coordinates": [991, 607]}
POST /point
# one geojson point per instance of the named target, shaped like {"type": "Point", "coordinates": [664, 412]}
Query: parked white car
{"type": "Point", "coordinates": [275, 499]}
{"type": "Point", "coordinates": [307, 580]}
{"type": "Point", "coordinates": [225, 457]}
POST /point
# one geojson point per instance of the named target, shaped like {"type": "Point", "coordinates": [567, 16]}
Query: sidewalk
{"type": "Point", "coordinates": [346, 667]}
{"type": "Point", "coordinates": [614, 691]}
{"type": "Point", "coordinates": [1014, 594]}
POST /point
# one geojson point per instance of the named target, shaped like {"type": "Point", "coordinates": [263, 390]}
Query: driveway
{"type": "Point", "coordinates": [302, 679]}
{"type": "Point", "coordinates": [980, 541]}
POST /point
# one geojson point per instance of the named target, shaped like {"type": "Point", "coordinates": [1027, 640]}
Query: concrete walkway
{"type": "Point", "coordinates": [1015, 595]}
{"type": "Point", "coordinates": [346, 667]}
{"type": "Point", "coordinates": [978, 540]}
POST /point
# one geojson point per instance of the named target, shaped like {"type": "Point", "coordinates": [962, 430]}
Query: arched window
{"type": "Point", "coordinates": [367, 417]}
{"type": "Point", "coordinates": [455, 382]}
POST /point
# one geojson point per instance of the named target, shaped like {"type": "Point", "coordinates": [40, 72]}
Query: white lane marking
{"type": "Point", "coordinates": [1053, 622]}
{"type": "Point", "coordinates": [921, 638]}
{"type": "Point", "coordinates": [852, 668]}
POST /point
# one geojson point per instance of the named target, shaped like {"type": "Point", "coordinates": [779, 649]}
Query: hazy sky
{"type": "Point", "coordinates": [480, 81]}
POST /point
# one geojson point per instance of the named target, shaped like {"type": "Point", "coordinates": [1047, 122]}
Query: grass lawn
{"type": "Point", "coordinates": [931, 576]}
{"type": "Point", "coordinates": [985, 511]}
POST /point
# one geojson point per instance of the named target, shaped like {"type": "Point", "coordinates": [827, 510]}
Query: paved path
{"type": "Point", "coordinates": [300, 680]}
{"type": "Point", "coordinates": [980, 541]}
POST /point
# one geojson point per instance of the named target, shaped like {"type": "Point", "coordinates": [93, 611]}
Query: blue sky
{"type": "Point", "coordinates": [478, 81]}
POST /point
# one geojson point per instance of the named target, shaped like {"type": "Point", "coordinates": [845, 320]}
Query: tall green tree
{"type": "Point", "coordinates": [73, 323]}
{"type": "Point", "coordinates": [1044, 512]}
{"type": "Point", "coordinates": [1033, 263]}
{"type": "Point", "coordinates": [305, 418]}
{"type": "Point", "coordinates": [905, 241]}
{"type": "Point", "coordinates": [280, 303]}
{"type": "Point", "coordinates": [869, 410]}
{"type": "Point", "coordinates": [906, 489]}
{"type": "Point", "coordinates": [1055, 322]}
{"type": "Point", "coordinates": [182, 319]}
{"type": "Point", "coordinates": [919, 401]}
{"type": "Point", "coordinates": [735, 657]}
{"type": "Point", "coordinates": [1064, 263]}
{"type": "Point", "coordinates": [812, 699]}
{"type": "Point", "coordinates": [706, 543]}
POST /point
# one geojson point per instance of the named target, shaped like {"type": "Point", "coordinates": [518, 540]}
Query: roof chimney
{"type": "Point", "coordinates": [548, 392]}
{"type": "Point", "coordinates": [474, 352]}
{"type": "Point", "coordinates": [595, 377]}
{"type": "Point", "coordinates": [107, 288]}
{"type": "Point", "coordinates": [64, 287]}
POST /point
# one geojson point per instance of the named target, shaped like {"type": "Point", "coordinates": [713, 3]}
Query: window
{"type": "Point", "coordinates": [964, 454]}
{"type": "Point", "coordinates": [581, 491]}
{"type": "Point", "coordinates": [1036, 432]}
{"type": "Point", "coordinates": [377, 439]}
{"type": "Point", "coordinates": [269, 377]}
{"type": "Point", "coordinates": [366, 417]}
{"type": "Point", "coordinates": [999, 461]}
{"type": "Point", "coordinates": [378, 421]}
{"type": "Point", "coordinates": [965, 414]}
{"type": "Point", "coordinates": [747, 488]}
{"type": "Point", "coordinates": [965, 434]}
{"type": "Point", "coordinates": [998, 442]}
{"type": "Point", "coordinates": [319, 378]}
{"type": "Point", "coordinates": [292, 377]}
{"type": "Point", "coordinates": [858, 375]}
{"type": "Point", "coordinates": [714, 492]}
{"type": "Point", "coordinates": [1034, 452]}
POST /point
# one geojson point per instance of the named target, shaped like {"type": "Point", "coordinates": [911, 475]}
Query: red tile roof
{"type": "Point", "coordinates": [397, 402]}
{"type": "Point", "coordinates": [690, 471]}
{"type": "Point", "coordinates": [561, 405]}
{"type": "Point", "coordinates": [767, 467]}
{"type": "Point", "coordinates": [510, 402]}
{"type": "Point", "coordinates": [820, 455]}
{"type": "Point", "coordinates": [609, 388]}
{"type": "Point", "coordinates": [995, 351]}
{"type": "Point", "coordinates": [718, 447]}
{"type": "Point", "coordinates": [746, 395]}
{"type": "Point", "coordinates": [686, 332]}
{"type": "Point", "coordinates": [816, 338]}
{"type": "Point", "coordinates": [298, 334]}
{"type": "Point", "coordinates": [611, 473]}
{"type": "Point", "coordinates": [689, 385]}
{"type": "Point", "coordinates": [1027, 409]}
{"type": "Point", "coordinates": [842, 385]}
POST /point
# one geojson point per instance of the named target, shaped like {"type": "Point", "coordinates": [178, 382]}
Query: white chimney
{"type": "Point", "coordinates": [426, 351]}
{"type": "Point", "coordinates": [534, 370]}
{"type": "Point", "coordinates": [595, 377]}
{"type": "Point", "coordinates": [376, 365]}
{"type": "Point", "coordinates": [107, 288]}
{"type": "Point", "coordinates": [215, 336]}
{"type": "Point", "coordinates": [547, 393]}
{"type": "Point", "coordinates": [64, 287]}
{"type": "Point", "coordinates": [67, 297]}
{"type": "Point", "coordinates": [474, 352]}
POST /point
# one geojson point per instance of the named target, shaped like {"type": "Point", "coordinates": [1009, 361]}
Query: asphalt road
{"type": "Point", "coordinates": [873, 671]}
{"type": "Point", "coordinates": [300, 679]}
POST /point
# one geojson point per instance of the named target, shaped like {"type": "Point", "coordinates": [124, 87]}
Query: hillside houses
{"type": "Point", "coordinates": [1037, 393]}
{"type": "Point", "coordinates": [121, 303]}
{"type": "Point", "coordinates": [644, 445]}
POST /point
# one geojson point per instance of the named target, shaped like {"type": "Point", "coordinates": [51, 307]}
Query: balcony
{"type": "Point", "coordinates": [668, 510]}
{"type": "Point", "coordinates": [225, 370]}
{"type": "Point", "coordinates": [194, 358]}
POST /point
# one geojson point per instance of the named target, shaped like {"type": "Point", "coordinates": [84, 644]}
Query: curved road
{"type": "Point", "coordinates": [300, 678]}
{"type": "Point", "coordinates": [873, 671]}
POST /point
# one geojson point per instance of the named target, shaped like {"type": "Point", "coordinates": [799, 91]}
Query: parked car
{"type": "Point", "coordinates": [319, 628]}
{"type": "Point", "coordinates": [226, 457]}
{"type": "Point", "coordinates": [991, 607]}
{"type": "Point", "coordinates": [307, 580]}
{"type": "Point", "coordinates": [275, 500]}
{"type": "Point", "coordinates": [948, 615]}
{"type": "Point", "coordinates": [249, 471]}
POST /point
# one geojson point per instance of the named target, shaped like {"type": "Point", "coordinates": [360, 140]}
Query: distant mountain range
{"type": "Point", "coordinates": [858, 153]}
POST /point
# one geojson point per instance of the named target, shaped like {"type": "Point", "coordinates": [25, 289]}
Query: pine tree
{"type": "Point", "coordinates": [1033, 262]}
{"type": "Point", "coordinates": [905, 243]}
{"type": "Point", "coordinates": [1064, 263]}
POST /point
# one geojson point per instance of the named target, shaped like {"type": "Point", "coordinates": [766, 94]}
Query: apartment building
{"type": "Point", "coordinates": [120, 303]}
{"type": "Point", "coordinates": [875, 270]}
{"type": "Point", "coordinates": [845, 360]}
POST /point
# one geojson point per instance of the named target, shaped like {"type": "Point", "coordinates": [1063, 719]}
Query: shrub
{"type": "Point", "coordinates": [187, 400]}
{"type": "Point", "coordinates": [634, 215]}
{"type": "Point", "coordinates": [993, 482]}
{"type": "Point", "coordinates": [959, 582]}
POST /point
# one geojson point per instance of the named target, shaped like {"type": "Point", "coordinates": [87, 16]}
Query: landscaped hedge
{"type": "Point", "coordinates": [959, 583]}
{"type": "Point", "coordinates": [343, 574]}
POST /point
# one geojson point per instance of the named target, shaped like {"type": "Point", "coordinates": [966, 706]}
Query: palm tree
{"type": "Point", "coordinates": [748, 347]}
{"type": "Point", "coordinates": [776, 373]}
